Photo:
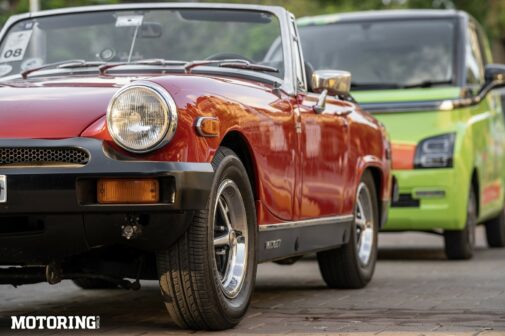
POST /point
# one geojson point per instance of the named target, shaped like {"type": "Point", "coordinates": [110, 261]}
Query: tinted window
{"type": "Point", "coordinates": [384, 52]}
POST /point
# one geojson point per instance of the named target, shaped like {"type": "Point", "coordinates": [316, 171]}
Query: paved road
{"type": "Point", "coordinates": [415, 291]}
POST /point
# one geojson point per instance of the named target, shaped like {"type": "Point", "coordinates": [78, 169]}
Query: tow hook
{"type": "Point", "coordinates": [132, 228]}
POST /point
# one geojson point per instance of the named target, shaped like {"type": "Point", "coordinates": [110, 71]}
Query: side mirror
{"type": "Point", "coordinates": [336, 82]}
{"type": "Point", "coordinates": [495, 73]}
{"type": "Point", "coordinates": [330, 82]}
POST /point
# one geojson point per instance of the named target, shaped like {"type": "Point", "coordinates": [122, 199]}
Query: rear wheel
{"type": "Point", "coordinates": [353, 265]}
{"type": "Point", "coordinates": [207, 277]}
{"type": "Point", "coordinates": [495, 231]}
{"type": "Point", "coordinates": [459, 244]}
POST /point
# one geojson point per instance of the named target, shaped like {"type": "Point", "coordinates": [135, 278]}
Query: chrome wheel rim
{"type": "Point", "coordinates": [365, 229]}
{"type": "Point", "coordinates": [230, 238]}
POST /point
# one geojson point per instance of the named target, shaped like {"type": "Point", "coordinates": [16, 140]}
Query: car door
{"type": "Point", "coordinates": [323, 139]}
{"type": "Point", "coordinates": [324, 157]}
{"type": "Point", "coordinates": [497, 126]}
{"type": "Point", "coordinates": [487, 125]}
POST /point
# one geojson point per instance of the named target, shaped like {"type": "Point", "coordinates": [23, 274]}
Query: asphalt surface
{"type": "Point", "coordinates": [415, 291]}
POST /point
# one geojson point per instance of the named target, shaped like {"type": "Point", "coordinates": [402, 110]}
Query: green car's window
{"type": "Point", "coordinates": [395, 53]}
{"type": "Point", "coordinates": [474, 58]}
{"type": "Point", "coordinates": [129, 36]}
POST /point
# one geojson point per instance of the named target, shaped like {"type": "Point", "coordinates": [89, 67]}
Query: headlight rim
{"type": "Point", "coordinates": [172, 117]}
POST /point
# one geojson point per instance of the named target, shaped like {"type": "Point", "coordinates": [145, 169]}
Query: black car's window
{"type": "Point", "coordinates": [474, 58]}
{"type": "Point", "coordinates": [126, 35]}
{"type": "Point", "coordinates": [396, 52]}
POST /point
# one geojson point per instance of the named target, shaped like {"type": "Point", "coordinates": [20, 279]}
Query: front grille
{"type": "Point", "coordinates": [35, 156]}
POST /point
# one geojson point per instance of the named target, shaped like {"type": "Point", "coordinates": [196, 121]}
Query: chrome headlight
{"type": "Point", "coordinates": [142, 117]}
{"type": "Point", "coordinates": [435, 152]}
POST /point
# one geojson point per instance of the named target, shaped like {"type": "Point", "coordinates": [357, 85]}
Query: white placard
{"type": "Point", "coordinates": [129, 21]}
{"type": "Point", "coordinates": [15, 46]}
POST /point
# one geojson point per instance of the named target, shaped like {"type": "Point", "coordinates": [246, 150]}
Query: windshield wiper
{"type": "Point", "coordinates": [68, 64]}
{"type": "Point", "coordinates": [147, 62]}
{"type": "Point", "coordinates": [426, 84]}
{"type": "Point", "coordinates": [230, 63]}
{"type": "Point", "coordinates": [249, 66]}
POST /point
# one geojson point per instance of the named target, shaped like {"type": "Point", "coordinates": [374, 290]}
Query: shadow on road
{"type": "Point", "coordinates": [419, 253]}
{"type": "Point", "coordinates": [428, 253]}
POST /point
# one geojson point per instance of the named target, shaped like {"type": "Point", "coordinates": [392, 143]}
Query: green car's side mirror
{"type": "Point", "coordinates": [494, 75]}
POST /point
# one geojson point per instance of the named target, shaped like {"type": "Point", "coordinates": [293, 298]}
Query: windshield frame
{"type": "Point", "coordinates": [287, 83]}
{"type": "Point", "coordinates": [458, 62]}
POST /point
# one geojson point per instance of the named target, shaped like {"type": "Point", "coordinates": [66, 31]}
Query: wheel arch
{"type": "Point", "coordinates": [238, 143]}
{"type": "Point", "coordinates": [378, 178]}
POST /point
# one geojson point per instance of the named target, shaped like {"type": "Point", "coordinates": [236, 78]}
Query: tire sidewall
{"type": "Point", "coordinates": [366, 271]}
{"type": "Point", "coordinates": [230, 167]}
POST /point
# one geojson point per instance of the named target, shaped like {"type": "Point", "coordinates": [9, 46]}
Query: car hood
{"type": "Point", "coordinates": [406, 95]}
{"type": "Point", "coordinates": [411, 115]}
{"type": "Point", "coordinates": [54, 108]}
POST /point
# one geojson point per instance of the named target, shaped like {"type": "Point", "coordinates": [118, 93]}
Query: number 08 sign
{"type": "Point", "coordinates": [15, 46]}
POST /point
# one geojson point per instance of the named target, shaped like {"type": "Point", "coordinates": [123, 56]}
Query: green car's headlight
{"type": "Point", "coordinates": [142, 117]}
{"type": "Point", "coordinates": [435, 152]}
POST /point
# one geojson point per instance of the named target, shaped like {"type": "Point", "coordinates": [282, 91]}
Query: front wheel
{"type": "Point", "coordinates": [495, 231]}
{"type": "Point", "coordinates": [207, 277]}
{"type": "Point", "coordinates": [459, 244]}
{"type": "Point", "coordinates": [352, 265]}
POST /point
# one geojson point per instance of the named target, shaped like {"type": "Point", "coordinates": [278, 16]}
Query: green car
{"type": "Point", "coordinates": [426, 75]}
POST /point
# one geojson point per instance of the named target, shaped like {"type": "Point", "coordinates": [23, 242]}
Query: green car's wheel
{"type": "Point", "coordinates": [495, 231]}
{"type": "Point", "coordinates": [207, 277]}
{"type": "Point", "coordinates": [459, 244]}
{"type": "Point", "coordinates": [352, 266]}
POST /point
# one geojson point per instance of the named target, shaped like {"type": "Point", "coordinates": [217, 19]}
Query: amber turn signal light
{"type": "Point", "coordinates": [208, 126]}
{"type": "Point", "coordinates": [128, 191]}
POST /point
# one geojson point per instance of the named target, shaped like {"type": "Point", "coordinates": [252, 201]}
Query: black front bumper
{"type": "Point", "coordinates": [52, 212]}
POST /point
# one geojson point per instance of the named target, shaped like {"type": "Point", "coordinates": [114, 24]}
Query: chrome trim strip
{"type": "Point", "coordinates": [307, 222]}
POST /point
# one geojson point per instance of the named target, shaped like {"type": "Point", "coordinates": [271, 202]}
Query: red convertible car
{"type": "Point", "coordinates": [185, 143]}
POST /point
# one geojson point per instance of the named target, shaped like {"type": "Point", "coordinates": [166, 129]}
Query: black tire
{"type": "Point", "coordinates": [342, 267]}
{"type": "Point", "coordinates": [86, 283]}
{"type": "Point", "coordinates": [189, 277]}
{"type": "Point", "coordinates": [459, 244]}
{"type": "Point", "coordinates": [495, 231]}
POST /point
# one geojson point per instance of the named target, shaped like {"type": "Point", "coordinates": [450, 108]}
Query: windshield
{"type": "Point", "coordinates": [131, 36]}
{"type": "Point", "coordinates": [384, 53]}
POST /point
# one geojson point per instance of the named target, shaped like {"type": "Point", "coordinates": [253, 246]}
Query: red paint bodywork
{"type": "Point", "coordinates": [310, 174]}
